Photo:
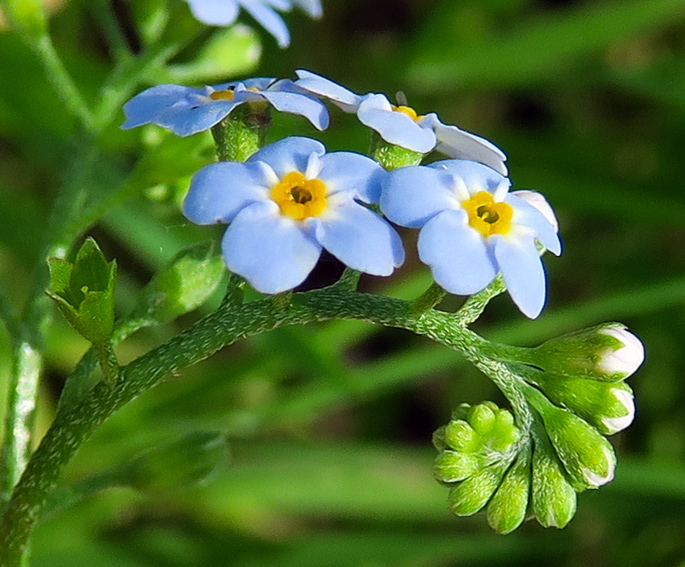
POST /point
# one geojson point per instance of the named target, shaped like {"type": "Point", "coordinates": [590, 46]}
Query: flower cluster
{"type": "Point", "coordinates": [477, 448]}
{"type": "Point", "coordinates": [291, 200]}
{"type": "Point", "coordinates": [402, 126]}
{"type": "Point", "coordinates": [225, 12]}
{"type": "Point", "coordinates": [486, 459]}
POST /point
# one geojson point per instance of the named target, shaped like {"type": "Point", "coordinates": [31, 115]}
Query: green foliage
{"type": "Point", "coordinates": [331, 421]}
{"type": "Point", "coordinates": [84, 291]}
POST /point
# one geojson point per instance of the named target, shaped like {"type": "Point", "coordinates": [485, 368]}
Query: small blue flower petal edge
{"type": "Point", "coordinates": [275, 252]}
{"type": "Point", "coordinates": [462, 260]}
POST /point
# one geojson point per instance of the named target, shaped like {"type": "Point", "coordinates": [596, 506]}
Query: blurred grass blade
{"type": "Point", "coordinates": [537, 51]}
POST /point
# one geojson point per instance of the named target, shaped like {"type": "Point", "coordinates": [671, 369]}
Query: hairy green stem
{"type": "Point", "coordinates": [62, 82]}
{"type": "Point", "coordinates": [75, 423]}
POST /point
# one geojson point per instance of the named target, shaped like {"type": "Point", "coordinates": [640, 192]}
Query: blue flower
{"type": "Point", "coordinates": [289, 201]}
{"type": "Point", "coordinates": [225, 12]}
{"type": "Point", "coordinates": [186, 111]}
{"type": "Point", "coordinates": [402, 126]}
{"type": "Point", "coordinates": [472, 228]}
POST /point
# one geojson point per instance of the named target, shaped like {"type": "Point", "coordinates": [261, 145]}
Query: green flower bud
{"type": "Point", "coordinates": [470, 495]}
{"type": "Point", "coordinates": [185, 284]}
{"type": "Point", "coordinates": [482, 418]}
{"type": "Point", "coordinates": [461, 436]}
{"type": "Point", "coordinates": [84, 291]}
{"type": "Point", "coordinates": [452, 466]}
{"type": "Point", "coordinates": [552, 496]}
{"type": "Point", "coordinates": [607, 352]}
{"type": "Point", "coordinates": [608, 406]}
{"type": "Point", "coordinates": [507, 508]}
{"type": "Point", "coordinates": [392, 157]}
{"type": "Point", "coordinates": [587, 456]}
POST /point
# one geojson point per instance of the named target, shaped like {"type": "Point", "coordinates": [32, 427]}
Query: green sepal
{"type": "Point", "coordinates": [553, 498]}
{"type": "Point", "coordinates": [189, 279]}
{"type": "Point", "coordinates": [84, 291]}
{"type": "Point", "coordinates": [608, 406]}
{"type": "Point", "coordinates": [507, 508]}
{"type": "Point", "coordinates": [392, 157]}
{"type": "Point", "coordinates": [472, 494]}
{"type": "Point", "coordinates": [242, 132]}
{"type": "Point", "coordinates": [26, 16]}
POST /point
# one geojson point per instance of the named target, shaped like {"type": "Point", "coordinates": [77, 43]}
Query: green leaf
{"type": "Point", "coordinates": [187, 282]}
{"type": "Point", "coordinates": [194, 459]}
{"type": "Point", "coordinates": [26, 16]}
{"type": "Point", "coordinates": [212, 63]}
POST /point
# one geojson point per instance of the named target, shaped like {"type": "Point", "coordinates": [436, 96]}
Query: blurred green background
{"type": "Point", "coordinates": [328, 428]}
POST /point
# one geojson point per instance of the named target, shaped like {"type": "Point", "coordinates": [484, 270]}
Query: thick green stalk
{"type": "Point", "coordinates": [75, 423]}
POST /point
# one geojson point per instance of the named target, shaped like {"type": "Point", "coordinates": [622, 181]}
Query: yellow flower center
{"type": "Point", "coordinates": [228, 94]}
{"type": "Point", "coordinates": [408, 110]}
{"type": "Point", "coordinates": [486, 216]}
{"type": "Point", "coordinates": [298, 197]}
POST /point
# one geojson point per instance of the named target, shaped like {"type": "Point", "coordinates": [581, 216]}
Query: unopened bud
{"type": "Point", "coordinates": [452, 466]}
{"type": "Point", "coordinates": [507, 508]}
{"type": "Point", "coordinates": [552, 496]}
{"type": "Point", "coordinates": [607, 352]}
{"type": "Point", "coordinates": [470, 495]}
{"type": "Point", "coordinates": [587, 456]}
{"type": "Point", "coordinates": [608, 406]}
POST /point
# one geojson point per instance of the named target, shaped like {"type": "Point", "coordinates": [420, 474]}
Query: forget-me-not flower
{"type": "Point", "coordinates": [402, 126]}
{"type": "Point", "coordinates": [288, 202]}
{"type": "Point", "coordinates": [472, 227]}
{"type": "Point", "coordinates": [225, 12]}
{"type": "Point", "coordinates": [186, 111]}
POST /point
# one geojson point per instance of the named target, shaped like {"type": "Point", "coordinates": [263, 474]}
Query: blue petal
{"type": "Point", "coordinates": [476, 176]}
{"type": "Point", "coordinates": [358, 237]}
{"type": "Point", "coordinates": [295, 103]}
{"type": "Point", "coordinates": [521, 267]}
{"type": "Point", "coordinates": [527, 215]}
{"type": "Point", "coordinates": [347, 171]}
{"type": "Point", "coordinates": [260, 83]}
{"type": "Point", "coordinates": [269, 20]}
{"type": "Point", "coordinates": [269, 250]}
{"type": "Point", "coordinates": [395, 127]}
{"type": "Point", "coordinates": [289, 154]}
{"type": "Point", "coordinates": [192, 115]}
{"type": "Point", "coordinates": [457, 254]}
{"type": "Point", "coordinates": [459, 144]}
{"type": "Point", "coordinates": [320, 86]}
{"type": "Point", "coordinates": [215, 12]}
{"type": "Point", "coordinates": [146, 106]}
{"type": "Point", "coordinates": [220, 190]}
{"type": "Point", "coordinates": [411, 196]}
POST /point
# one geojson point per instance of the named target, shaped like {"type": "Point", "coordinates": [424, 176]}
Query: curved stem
{"type": "Point", "coordinates": [75, 423]}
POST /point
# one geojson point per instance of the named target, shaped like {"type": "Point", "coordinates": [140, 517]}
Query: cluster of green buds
{"type": "Point", "coordinates": [574, 392]}
{"type": "Point", "coordinates": [477, 448]}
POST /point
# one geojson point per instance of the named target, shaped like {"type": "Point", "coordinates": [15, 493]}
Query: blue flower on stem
{"type": "Point", "coordinates": [472, 228]}
{"type": "Point", "coordinates": [402, 126]}
{"type": "Point", "coordinates": [289, 201]}
{"type": "Point", "coordinates": [186, 111]}
{"type": "Point", "coordinates": [225, 12]}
